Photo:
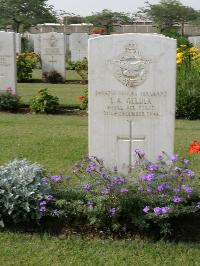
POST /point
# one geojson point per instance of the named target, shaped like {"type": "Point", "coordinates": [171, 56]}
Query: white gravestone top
{"type": "Point", "coordinates": [8, 78]}
{"type": "Point", "coordinates": [132, 85]}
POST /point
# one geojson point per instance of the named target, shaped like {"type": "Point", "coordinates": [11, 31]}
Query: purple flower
{"type": "Point", "coordinates": [115, 168]}
{"type": "Point", "coordinates": [43, 209]}
{"type": "Point", "coordinates": [91, 167]}
{"type": "Point", "coordinates": [158, 210]}
{"type": "Point", "coordinates": [185, 161]}
{"type": "Point", "coordinates": [187, 189]}
{"type": "Point", "coordinates": [112, 211]}
{"type": "Point", "coordinates": [177, 190]}
{"type": "Point", "coordinates": [146, 209]}
{"type": "Point", "coordinates": [148, 177]}
{"type": "Point", "coordinates": [90, 205]}
{"type": "Point", "coordinates": [163, 187]}
{"type": "Point", "coordinates": [123, 190]}
{"type": "Point", "coordinates": [174, 158]}
{"type": "Point", "coordinates": [189, 173]}
{"type": "Point", "coordinates": [49, 197]}
{"type": "Point", "coordinates": [198, 205]}
{"type": "Point", "coordinates": [88, 187]}
{"type": "Point", "coordinates": [44, 181]}
{"type": "Point", "coordinates": [161, 210]}
{"type": "Point", "coordinates": [149, 190]}
{"type": "Point", "coordinates": [56, 178]}
{"type": "Point", "coordinates": [106, 191]}
{"type": "Point", "coordinates": [177, 169]}
{"type": "Point", "coordinates": [105, 175]}
{"type": "Point", "coordinates": [43, 203]}
{"type": "Point", "coordinates": [152, 167]}
{"type": "Point", "coordinates": [165, 209]}
{"type": "Point", "coordinates": [160, 158]}
{"type": "Point", "coordinates": [55, 212]}
{"type": "Point", "coordinates": [177, 199]}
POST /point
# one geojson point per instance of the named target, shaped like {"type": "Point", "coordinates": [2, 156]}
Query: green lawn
{"type": "Point", "coordinates": [27, 250]}
{"type": "Point", "coordinates": [68, 94]}
{"type": "Point", "coordinates": [56, 142]}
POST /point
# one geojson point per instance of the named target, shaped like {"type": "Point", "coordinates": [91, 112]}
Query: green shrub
{"type": "Point", "coordinates": [26, 62]}
{"type": "Point", "coordinates": [22, 187]}
{"type": "Point", "coordinates": [53, 77]}
{"type": "Point", "coordinates": [9, 101]}
{"type": "Point", "coordinates": [188, 83]}
{"type": "Point", "coordinates": [43, 102]}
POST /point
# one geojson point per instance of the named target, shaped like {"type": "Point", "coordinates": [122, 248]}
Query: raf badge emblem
{"type": "Point", "coordinates": [129, 68]}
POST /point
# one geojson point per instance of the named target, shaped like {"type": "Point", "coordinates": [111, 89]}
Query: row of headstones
{"type": "Point", "coordinates": [75, 43]}
{"type": "Point", "coordinates": [132, 90]}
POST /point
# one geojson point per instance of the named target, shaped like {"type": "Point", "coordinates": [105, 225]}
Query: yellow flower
{"type": "Point", "coordinates": [183, 45]}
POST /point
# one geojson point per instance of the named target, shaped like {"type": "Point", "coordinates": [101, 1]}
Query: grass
{"type": "Point", "coordinates": [27, 250]}
{"type": "Point", "coordinates": [56, 142]}
{"type": "Point", "coordinates": [53, 141]}
{"type": "Point", "coordinates": [68, 94]}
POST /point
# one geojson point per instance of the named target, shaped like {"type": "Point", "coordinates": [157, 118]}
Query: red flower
{"type": "Point", "coordinates": [81, 98]}
{"type": "Point", "coordinates": [194, 147]}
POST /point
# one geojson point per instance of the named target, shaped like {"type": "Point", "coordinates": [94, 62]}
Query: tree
{"type": "Point", "coordinates": [72, 19]}
{"type": "Point", "coordinates": [21, 14]}
{"type": "Point", "coordinates": [169, 14]}
{"type": "Point", "coordinates": [106, 18]}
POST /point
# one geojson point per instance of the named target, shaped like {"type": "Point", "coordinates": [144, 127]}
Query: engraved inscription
{"type": "Point", "coordinates": [132, 104]}
{"type": "Point", "coordinates": [129, 68]}
{"type": "Point", "coordinates": [4, 61]}
{"type": "Point", "coordinates": [52, 50]}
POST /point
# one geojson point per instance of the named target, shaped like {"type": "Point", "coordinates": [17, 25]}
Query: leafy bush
{"type": "Point", "coordinates": [84, 100]}
{"type": "Point", "coordinates": [22, 188]}
{"type": "Point", "coordinates": [9, 101]}
{"type": "Point", "coordinates": [188, 80]}
{"type": "Point", "coordinates": [155, 196]}
{"type": "Point", "coordinates": [44, 102]}
{"type": "Point", "coordinates": [26, 62]}
{"type": "Point", "coordinates": [81, 67]}
{"type": "Point", "coordinates": [53, 77]}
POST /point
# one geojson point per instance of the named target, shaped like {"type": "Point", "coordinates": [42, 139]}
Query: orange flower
{"type": "Point", "coordinates": [81, 98]}
{"type": "Point", "coordinates": [194, 147]}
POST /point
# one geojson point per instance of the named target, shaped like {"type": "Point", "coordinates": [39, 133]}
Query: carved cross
{"type": "Point", "coordinates": [131, 140]}
{"type": "Point", "coordinates": [52, 61]}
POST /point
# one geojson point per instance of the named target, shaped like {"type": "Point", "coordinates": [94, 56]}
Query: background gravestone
{"type": "Point", "coordinates": [53, 53]}
{"type": "Point", "coordinates": [18, 42]}
{"type": "Point", "coordinates": [7, 61]}
{"type": "Point", "coordinates": [78, 45]}
{"type": "Point", "coordinates": [132, 81]}
{"type": "Point", "coordinates": [37, 43]}
{"type": "Point", "coordinates": [195, 40]}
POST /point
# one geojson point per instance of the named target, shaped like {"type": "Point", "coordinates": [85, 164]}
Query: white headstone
{"type": "Point", "coordinates": [18, 42]}
{"type": "Point", "coordinates": [67, 45]}
{"type": "Point", "coordinates": [7, 61]}
{"type": "Point", "coordinates": [132, 84]}
{"type": "Point", "coordinates": [53, 53]}
{"type": "Point", "coordinates": [78, 45]}
{"type": "Point", "coordinates": [195, 40]}
{"type": "Point", "coordinates": [37, 43]}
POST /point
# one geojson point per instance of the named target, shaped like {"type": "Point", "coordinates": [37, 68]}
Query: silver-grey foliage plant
{"type": "Point", "coordinates": [22, 187]}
